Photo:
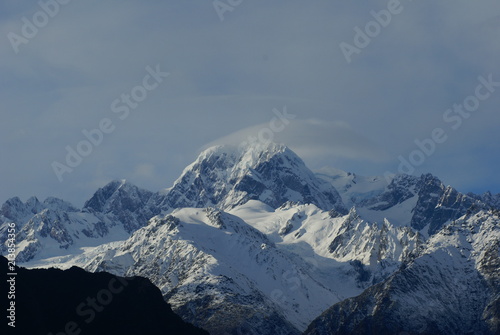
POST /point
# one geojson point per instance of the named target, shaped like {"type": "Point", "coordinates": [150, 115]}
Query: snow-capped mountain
{"type": "Point", "coordinates": [249, 240]}
{"type": "Point", "coordinates": [56, 227]}
{"type": "Point", "coordinates": [452, 286]}
{"type": "Point", "coordinates": [226, 177]}
{"type": "Point", "coordinates": [14, 210]}
{"type": "Point", "coordinates": [424, 202]}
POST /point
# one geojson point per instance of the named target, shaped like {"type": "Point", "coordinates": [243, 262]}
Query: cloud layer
{"type": "Point", "coordinates": [226, 77]}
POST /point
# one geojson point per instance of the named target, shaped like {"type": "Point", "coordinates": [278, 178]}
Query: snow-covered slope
{"type": "Point", "coordinates": [353, 188]}
{"type": "Point", "coordinates": [211, 263]}
{"type": "Point", "coordinates": [355, 253]}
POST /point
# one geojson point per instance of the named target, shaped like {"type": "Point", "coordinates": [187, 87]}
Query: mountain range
{"type": "Point", "coordinates": [249, 240]}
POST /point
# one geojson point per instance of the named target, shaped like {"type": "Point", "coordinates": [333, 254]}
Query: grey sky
{"type": "Point", "coordinates": [226, 77]}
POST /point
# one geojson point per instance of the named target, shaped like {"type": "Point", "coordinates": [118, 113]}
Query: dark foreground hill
{"type": "Point", "coordinates": [56, 302]}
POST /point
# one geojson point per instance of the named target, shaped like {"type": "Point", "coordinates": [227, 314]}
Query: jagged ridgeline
{"type": "Point", "coordinates": [249, 240]}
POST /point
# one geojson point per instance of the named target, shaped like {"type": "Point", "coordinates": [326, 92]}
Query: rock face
{"type": "Point", "coordinates": [249, 241]}
{"type": "Point", "coordinates": [432, 203]}
{"type": "Point", "coordinates": [491, 200]}
{"type": "Point", "coordinates": [54, 301]}
{"type": "Point", "coordinates": [438, 204]}
{"type": "Point", "coordinates": [122, 202]}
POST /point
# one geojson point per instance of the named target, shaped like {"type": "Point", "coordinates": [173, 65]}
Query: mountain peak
{"type": "Point", "coordinates": [246, 154]}
{"type": "Point", "coordinates": [118, 195]}
{"type": "Point", "coordinates": [228, 176]}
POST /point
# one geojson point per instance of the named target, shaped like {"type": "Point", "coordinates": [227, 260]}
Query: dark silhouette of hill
{"type": "Point", "coordinates": [76, 302]}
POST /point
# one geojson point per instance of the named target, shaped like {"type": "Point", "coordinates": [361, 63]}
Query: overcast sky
{"type": "Point", "coordinates": [231, 70]}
